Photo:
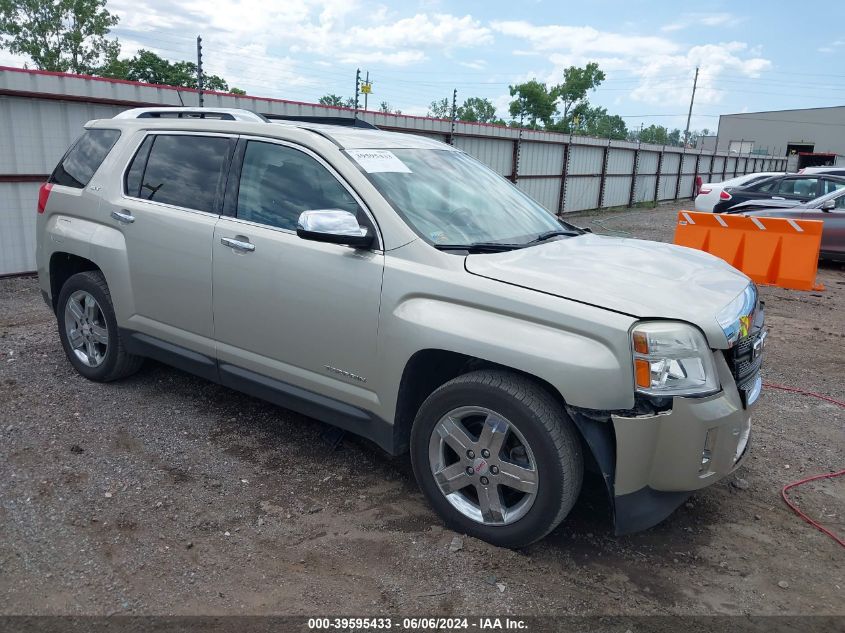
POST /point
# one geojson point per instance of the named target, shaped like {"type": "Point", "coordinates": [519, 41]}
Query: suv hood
{"type": "Point", "coordinates": [636, 277]}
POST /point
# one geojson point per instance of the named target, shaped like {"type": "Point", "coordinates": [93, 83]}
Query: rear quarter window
{"type": "Point", "coordinates": [84, 157]}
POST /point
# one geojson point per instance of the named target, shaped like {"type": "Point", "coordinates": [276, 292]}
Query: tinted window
{"type": "Point", "coordinates": [799, 187]}
{"type": "Point", "coordinates": [84, 158]}
{"type": "Point", "coordinates": [135, 173]}
{"type": "Point", "coordinates": [832, 185]}
{"type": "Point", "coordinates": [184, 170]}
{"type": "Point", "coordinates": [278, 183]}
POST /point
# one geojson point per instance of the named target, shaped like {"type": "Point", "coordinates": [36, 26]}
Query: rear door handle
{"type": "Point", "coordinates": [238, 245]}
{"type": "Point", "coordinates": [123, 216]}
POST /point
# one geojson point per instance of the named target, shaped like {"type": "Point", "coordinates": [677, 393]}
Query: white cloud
{"type": "Point", "coordinates": [653, 69]}
{"type": "Point", "coordinates": [701, 19]}
{"type": "Point", "coordinates": [585, 39]}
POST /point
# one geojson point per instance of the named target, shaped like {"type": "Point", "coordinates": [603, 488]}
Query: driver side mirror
{"type": "Point", "coordinates": [335, 226]}
{"type": "Point", "coordinates": [828, 205]}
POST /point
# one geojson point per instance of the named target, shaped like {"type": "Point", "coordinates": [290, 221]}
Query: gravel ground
{"type": "Point", "coordinates": [166, 494]}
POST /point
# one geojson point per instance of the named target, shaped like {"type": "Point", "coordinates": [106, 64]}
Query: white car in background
{"type": "Point", "coordinates": [710, 194]}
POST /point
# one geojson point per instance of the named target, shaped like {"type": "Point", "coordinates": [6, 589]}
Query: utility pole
{"type": "Point", "coordinates": [199, 69]}
{"type": "Point", "coordinates": [691, 101]}
{"type": "Point", "coordinates": [454, 116]}
{"type": "Point", "coordinates": [357, 90]}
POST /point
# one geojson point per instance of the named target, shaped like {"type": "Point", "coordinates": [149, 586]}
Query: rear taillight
{"type": "Point", "coordinates": [705, 190]}
{"type": "Point", "coordinates": [43, 194]}
{"type": "Point", "coordinates": [724, 195]}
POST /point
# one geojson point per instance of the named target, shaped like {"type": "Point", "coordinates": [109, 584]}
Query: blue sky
{"type": "Point", "coordinates": [753, 55]}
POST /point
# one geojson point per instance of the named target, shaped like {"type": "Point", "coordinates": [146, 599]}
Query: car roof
{"type": "Point", "coordinates": [235, 121]}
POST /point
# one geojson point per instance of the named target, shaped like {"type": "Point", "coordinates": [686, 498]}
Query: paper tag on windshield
{"type": "Point", "coordinates": [378, 160]}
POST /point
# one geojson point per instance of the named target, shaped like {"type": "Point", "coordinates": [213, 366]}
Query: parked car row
{"type": "Point", "coordinates": [814, 193]}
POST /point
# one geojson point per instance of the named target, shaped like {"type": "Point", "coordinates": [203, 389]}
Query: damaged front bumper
{"type": "Point", "coordinates": [662, 459]}
{"type": "Point", "coordinates": [653, 463]}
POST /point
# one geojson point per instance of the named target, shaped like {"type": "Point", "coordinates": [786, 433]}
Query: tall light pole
{"type": "Point", "coordinates": [691, 101]}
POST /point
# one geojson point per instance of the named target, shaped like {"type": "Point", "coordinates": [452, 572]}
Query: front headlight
{"type": "Point", "coordinates": [672, 359]}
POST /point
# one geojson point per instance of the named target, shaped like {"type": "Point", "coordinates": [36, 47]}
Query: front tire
{"type": "Point", "coordinates": [88, 329]}
{"type": "Point", "coordinates": [497, 457]}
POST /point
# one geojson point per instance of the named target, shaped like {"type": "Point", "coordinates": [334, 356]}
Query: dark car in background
{"type": "Point", "coordinates": [830, 209]}
{"type": "Point", "coordinates": [792, 187]}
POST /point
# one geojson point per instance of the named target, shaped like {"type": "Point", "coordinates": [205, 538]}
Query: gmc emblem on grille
{"type": "Point", "coordinates": [759, 344]}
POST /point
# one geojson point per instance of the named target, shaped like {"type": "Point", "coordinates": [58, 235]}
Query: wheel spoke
{"type": "Point", "coordinates": [75, 309]}
{"type": "Point", "coordinates": [90, 308]}
{"type": "Point", "coordinates": [452, 478]}
{"type": "Point", "coordinates": [453, 433]}
{"type": "Point", "coordinates": [91, 352]}
{"type": "Point", "coordinates": [75, 339]}
{"type": "Point", "coordinates": [490, 503]}
{"type": "Point", "coordinates": [101, 334]}
{"type": "Point", "coordinates": [493, 434]}
{"type": "Point", "coordinates": [518, 477]}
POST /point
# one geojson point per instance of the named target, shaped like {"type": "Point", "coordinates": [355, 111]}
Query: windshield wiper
{"type": "Point", "coordinates": [479, 247]}
{"type": "Point", "coordinates": [550, 234]}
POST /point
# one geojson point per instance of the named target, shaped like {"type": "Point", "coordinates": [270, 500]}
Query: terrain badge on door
{"type": "Point", "coordinates": [348, 374]}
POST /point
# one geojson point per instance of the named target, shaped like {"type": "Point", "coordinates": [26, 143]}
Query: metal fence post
{"type": "Point", "coordinates": [563, 174]}
{"type": "Point", "coordinates": [695, 175]}
{"type": "Point", "coordinates": [725, 166]}
{"type": "Point", "coordinates": [657, 178]}
{"type": "Point", "coordinates": [603, 181]}
{"type": "Point", "coordinates": [633, 195]}
{"type": "Point", "coordinates": [680, 173]}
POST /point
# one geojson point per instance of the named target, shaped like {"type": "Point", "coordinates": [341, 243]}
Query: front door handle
{"type": "Point", "coordinates": [238, 245]}
{"type": "Point", "coordinates": [123, 216]}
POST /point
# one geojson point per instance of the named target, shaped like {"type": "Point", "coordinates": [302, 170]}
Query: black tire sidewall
{"type": "Point", "coordinates": [85, 281]}
{"type": "Point", "coordinates": [538, 521]}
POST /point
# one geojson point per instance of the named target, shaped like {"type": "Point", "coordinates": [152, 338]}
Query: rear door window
{"type": "Point", "coordinates": [802, 187]}
{"type": "Point", "coordinates": [181, 169]}
{"type": "Point", "coordinates": [829, 186]}
{"type": "Point", "coordinates": [85, 156]}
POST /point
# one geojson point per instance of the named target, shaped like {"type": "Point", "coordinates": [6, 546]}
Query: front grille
{"type": "Point", "coordinates": [743, 361]}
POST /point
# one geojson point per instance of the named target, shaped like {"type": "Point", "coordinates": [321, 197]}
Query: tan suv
{"type": "Point", "coordinates": [395, 287]}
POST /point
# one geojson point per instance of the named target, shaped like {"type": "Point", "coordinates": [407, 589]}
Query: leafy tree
{"type": "Point", "coordinates": [384, 107]}
{"type": "Point", "coordinates": [572, 93]}
{"type": "Point", "coordinates": [597, 122]}
{"type": "Point", "coordinates": [534, 103]}
{"type": "Point", "coordinates": [332, 100]}
{"type": "Point", "coordinates": [660, 135]}
{"type": "Point", "coordinates": [148, 67]}
{"type": "Point", "coordinates": [440, 109]}
{"type": "Point", "coordinates": [58, 35]}
{"type": "Point", "coordinates": [237, 91]}
{"type": "Point", "coordinates": [478, 110]}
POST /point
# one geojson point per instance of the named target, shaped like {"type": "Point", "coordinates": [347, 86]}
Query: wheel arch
{"type": "Point", "coordinates": [63, 266]}
{"type": "Point", "coordinates": [428, 369]}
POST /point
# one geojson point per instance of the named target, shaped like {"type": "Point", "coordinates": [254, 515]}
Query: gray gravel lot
{"type": "Point", "coordinates": [167, 494]}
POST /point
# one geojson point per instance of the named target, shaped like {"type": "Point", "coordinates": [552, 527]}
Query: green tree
{"type": "Point", "coordinates": [332, 100]}
{"type": "Point", "coordinates": [478, 110]}
{"type": "Point", "coordinates": [597, 122]}
{"type": "Point", "coordinates": [440, 109]}
{"type": "Point", "coordinates": [534, 104]}
{"type": "Point", "coordinates": [149, 67]}
{"type": "Point", "coordinates": [572, 93]}
{"type": "Point", "coordinates": [237, 91]}
{"type": "Point", "coordinates": [385, 107]}
{"type": "Point", "coordinates": [660, 135]}
{"type": "Point", "coordinates": [58, 35]}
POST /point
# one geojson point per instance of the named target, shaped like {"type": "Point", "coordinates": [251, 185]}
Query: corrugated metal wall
{"type": "Point", "coordinates": [41, 113]}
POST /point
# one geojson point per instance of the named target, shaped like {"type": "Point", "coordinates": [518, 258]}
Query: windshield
{"type": "Point", "coordinates": [449, 198]}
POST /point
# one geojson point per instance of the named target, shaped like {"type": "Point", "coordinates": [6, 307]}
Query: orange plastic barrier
{"type": "Point", "coordinates": [772, 251]}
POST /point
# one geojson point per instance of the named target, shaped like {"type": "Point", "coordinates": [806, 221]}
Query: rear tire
{"type": "Point", "coordinates": [88, 329]}
{"type": "Point", "coordinates": [497, 457]}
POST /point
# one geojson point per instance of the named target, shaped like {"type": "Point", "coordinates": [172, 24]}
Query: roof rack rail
{"type": "Point", "coordinates": [323, 120]}
{"type": "Point", "coordinates": [220, 114]}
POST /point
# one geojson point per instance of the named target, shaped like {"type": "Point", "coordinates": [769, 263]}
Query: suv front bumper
{"type": "Point", "coordinates": [661, 459]}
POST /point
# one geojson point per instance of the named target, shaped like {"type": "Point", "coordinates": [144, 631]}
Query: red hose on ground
{"type": "Point", "coordinates": [794, 484]}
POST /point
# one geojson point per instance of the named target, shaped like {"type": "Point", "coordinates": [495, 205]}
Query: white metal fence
{"type": "Point", "coordinates": [41, 113]}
